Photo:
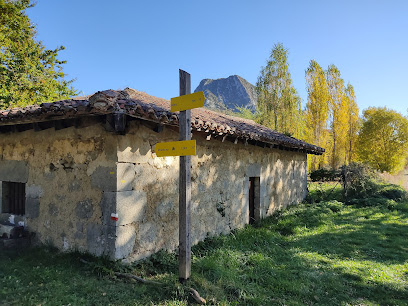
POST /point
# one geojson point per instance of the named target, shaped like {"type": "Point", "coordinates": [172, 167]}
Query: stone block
{"type": "Point", "coordinates": [108, 206]}
{"type": "Point", "coordinates": [79, 233]}
{"type": "Point", "coordinates": [10, 219]}
{"type": "Point", "coordinates": [9, 231]}
{"type": "Point", "coordinates": [125, 176]}
{"type": "Point", "coordinates": [53, 210]}
{"type": "Point", "coordinates": [104, 178]}
{"type": "Point", "coordinates": [133, 149]}
{"type": "Point", "coordinates": [13, 171]}
{"type": "Point", "coordinates": [96, 239]}
{"type": "Point", "coordinates": [32, 208]}
{"type": "Point", "coordinates": [164, 208]}
{"type": "Point", "coordinates": [131, 206]}
{"type": "Point", "coordinates": [84, 209]}
{"type": "Point", "coordinates": [125, 241]}
{"type": "Point", "coordinates": [253, 170]}
{"type": "Point", "coordinates": [147, 236]}
{"type": "Point", "coordinates": [34, 191]}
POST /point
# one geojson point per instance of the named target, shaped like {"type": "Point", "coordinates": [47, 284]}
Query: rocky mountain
{"type": "Point", "coordinates": [228, 93]}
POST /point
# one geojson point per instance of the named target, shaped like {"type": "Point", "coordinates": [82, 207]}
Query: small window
{"type": "Point", "coordinates": [13, 198]}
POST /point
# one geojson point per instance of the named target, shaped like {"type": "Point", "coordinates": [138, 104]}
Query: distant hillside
{"type": "Point", "coordinates": [228, 93]}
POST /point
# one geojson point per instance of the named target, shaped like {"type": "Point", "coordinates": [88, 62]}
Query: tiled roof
{"type": "Point", "coordinates": [141, 105]}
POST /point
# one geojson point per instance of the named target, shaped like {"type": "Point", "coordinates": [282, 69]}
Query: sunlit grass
{"type": "Point", "coordinates": [325, 253]}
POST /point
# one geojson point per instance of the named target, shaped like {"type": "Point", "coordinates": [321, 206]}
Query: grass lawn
{"type": "Point", "coordinates": [325, 253]}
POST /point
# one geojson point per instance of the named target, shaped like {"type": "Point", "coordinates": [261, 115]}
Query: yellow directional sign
{"type": "Point", "coordinates": [176, 148]}
{"type": "Point", "coordinates": [187, 101]}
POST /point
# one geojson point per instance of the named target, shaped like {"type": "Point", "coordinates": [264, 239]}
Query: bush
{"type": "Point", "coordinates": [314, 196]}
{"type": "Point", "coordinates": [334, 206]}
{"type": "Point", "coordinates": [373, 201]}
{"type": "Point", "coordinates": [324, 174]}
{"type": "Point", "coordinates": [393, 192]}
{"type": "Point", "coordinates": [359, 181]}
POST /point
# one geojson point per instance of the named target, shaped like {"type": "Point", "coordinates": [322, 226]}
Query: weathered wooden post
{"type": "Point", "coordinates": [184, 148]}
{"type": "Point", "coordinates": [184, 185]}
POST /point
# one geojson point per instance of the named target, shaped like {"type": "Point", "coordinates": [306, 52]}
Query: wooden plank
{"type": "Point", "coordinates": [176, 148]}
{"type": "Point", "coordinates": [120, 123]}
{"type": "Point", "coordinates": [184, 185]}
{"type": "Point", "coordinates": [185, 102]}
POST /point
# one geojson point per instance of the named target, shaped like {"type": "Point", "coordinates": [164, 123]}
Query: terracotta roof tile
{"type": "Point", "coordinates": [141, 105]}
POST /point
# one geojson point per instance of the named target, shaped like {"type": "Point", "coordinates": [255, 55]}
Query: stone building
{"type": "Point", "coordinates": [67, 167]}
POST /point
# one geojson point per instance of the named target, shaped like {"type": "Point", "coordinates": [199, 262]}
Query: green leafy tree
{"type": "Point", "coordinates": [244, 112]}
{"type": "Point", "coordinates": [383, 139]}
{"type": "Point", "coordinates": [278, 101]}
{"type": "Point", "coordinates": [29, 73]}
{"type": "Point", "coordinates": [317, 111]}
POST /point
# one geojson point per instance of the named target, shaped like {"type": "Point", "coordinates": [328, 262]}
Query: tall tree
{"type": "Point", "coordinates": [29, 73]}
{"type": "Point", "coordinates": [353, 124]}
{"type": "Point", "coordinates": [278, 101]}
{"type": "Point", "coordinates": [338, 114]}
{"type": "Point", "coordinates": [383, 139]}
{"type": "Point", "coordinates": [317, 110]}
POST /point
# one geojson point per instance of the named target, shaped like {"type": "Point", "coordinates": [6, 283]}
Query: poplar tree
{"type": "Point", "coordinates": [353, 124]}
{"type": "Point", "coordinates": [29, 73]}
{"type": "Point", "coordinates": [338, 117]}
{"type": "Point", "coordinates": [278, 101]}
{"type": "Point", "coordinates": [317, 111]}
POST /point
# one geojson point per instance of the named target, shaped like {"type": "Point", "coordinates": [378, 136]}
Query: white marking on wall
{"type": "Point", "coordinates": [66, 244]}
{"type": "Point", "coordinates": [11, 219]}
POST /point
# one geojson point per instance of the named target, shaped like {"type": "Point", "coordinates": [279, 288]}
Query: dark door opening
{"type": "Point", "coordinates": [253, 199]}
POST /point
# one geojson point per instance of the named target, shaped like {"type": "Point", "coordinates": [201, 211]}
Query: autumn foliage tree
{"type": "Point", "coordinates": [332, 117]}
{"type": "Point", "coordinates": [278, 102]}
{"type": "Point", "coordinates": [317, 111]}
{"type": "Point", "coordinates": [338, 120]}
{"type": "Point", "coordinates": [383, 139]}
{"type": "Point", "coordinates": [29, 73]}
{"type": "Point", "coordinates": [353, 124]}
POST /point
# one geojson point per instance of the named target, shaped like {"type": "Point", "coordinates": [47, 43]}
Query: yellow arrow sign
{"type": "Point", "coordinates": [176, 148]}
{"type": "Point", "coordinates": [187, 101]}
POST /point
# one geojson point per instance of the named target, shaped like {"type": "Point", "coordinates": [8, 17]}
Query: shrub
{"type": "Point", "coordinates": [359, 181]}
{"type": "Point", "coordinates": [393, 192]}
{"type": "Point", "coordinates": [334, 206]}
{"type": "Point", "coordinates": [324, 174]}
{"type": "Point", "coordinates": [373, 201]}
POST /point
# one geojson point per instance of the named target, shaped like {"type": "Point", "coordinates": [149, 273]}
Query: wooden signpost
{"type": "Point", "coordinates": [189, 101]}
{"type": "Point", "coordinates": [183, 148]}
{"type": "Point", "coordinates": [176, 148]}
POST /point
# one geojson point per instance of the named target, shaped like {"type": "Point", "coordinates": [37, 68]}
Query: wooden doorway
{"type": "Point", "coordinates": [254, 199]}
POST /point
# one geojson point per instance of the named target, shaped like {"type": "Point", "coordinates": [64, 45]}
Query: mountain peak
{"type": "Point", "coordinates": [228, 93]}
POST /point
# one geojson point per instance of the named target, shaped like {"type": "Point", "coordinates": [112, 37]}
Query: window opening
{"type": "Point", "coordinates": [13, 198]}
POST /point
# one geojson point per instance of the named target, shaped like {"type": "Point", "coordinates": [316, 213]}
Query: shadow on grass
{"type": "Point", "coordinates": [369, 236]}
{"type": "Point", "coordinates": [310, 254]}
{"type": "Point", "coordinates": [259, 266]}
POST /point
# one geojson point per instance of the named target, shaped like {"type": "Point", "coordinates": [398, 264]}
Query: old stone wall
{"type": "Point", "coordinates": [67, 175]}
{"type": "Point", "coordinates": [77, 177]}
{"type": "Point", "coordinates": [147, 200]}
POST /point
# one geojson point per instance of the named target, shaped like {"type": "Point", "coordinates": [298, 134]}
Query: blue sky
{"type": "Point", "coordinates": [142, 44]}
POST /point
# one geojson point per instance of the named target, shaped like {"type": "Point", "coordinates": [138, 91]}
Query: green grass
{"type": "Point", "coordinates": [325, 253]}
